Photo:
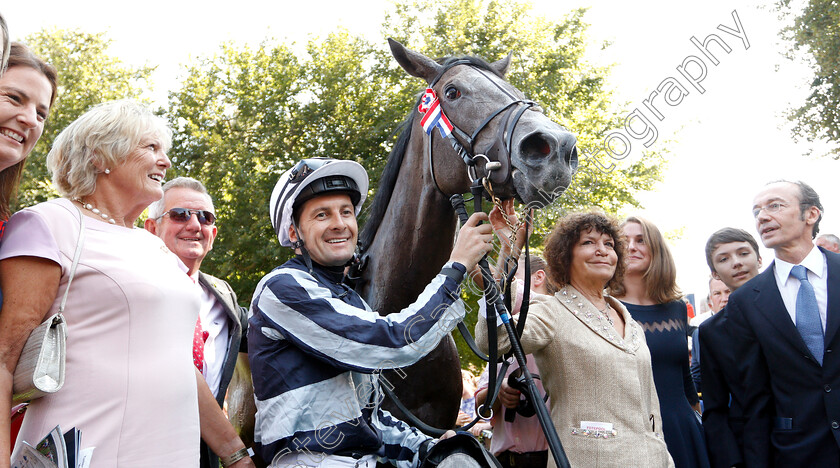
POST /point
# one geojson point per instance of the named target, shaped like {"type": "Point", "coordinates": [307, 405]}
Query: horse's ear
{"type": "Point", "coordinates": [502, 65]}
{"type": "Point", "coordinates": [415, 63]}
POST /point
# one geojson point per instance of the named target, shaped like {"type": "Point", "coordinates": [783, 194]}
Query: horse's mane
{"type": "Point", "coordinates": [392, 168]}
{"type": "Point", "coordinates": [386, 183]}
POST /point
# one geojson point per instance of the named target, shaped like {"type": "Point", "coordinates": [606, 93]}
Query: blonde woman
{"type": "Point", "coordinates": [650, 293]}
{"type": "Point", "coordinates": [130, 387]}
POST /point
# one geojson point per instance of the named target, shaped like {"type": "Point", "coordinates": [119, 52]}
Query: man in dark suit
{"type": "Point", "coordinates": [733, 258]}
{"type": "Point", "coordinates": [185, 220]}
{"type": "Point", "coordinates": [787, 321]}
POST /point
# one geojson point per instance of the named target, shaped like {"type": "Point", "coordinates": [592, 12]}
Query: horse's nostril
{"type": "Point", "coordinates": [536, 145]}
{"type": "Point", "coordinates": [572, 158]}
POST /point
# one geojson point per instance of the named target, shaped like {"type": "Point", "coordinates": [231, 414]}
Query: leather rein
{"type": "Point", "coordinates": [497, 162]}
{"type": "Point", "coordinates": [497, 168]}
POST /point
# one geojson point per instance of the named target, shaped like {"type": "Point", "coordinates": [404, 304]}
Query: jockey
{"type": "Point", "coordinates": [316, 348]}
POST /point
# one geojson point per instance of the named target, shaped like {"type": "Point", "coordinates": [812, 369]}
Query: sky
{"type": "Point", "coordinates": [723, 143]}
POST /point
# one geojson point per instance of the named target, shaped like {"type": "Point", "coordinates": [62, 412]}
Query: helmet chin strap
{"type": "Point", "coordinates": [298, 244]}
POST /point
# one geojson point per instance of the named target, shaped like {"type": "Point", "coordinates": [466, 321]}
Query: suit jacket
{"type": "Point", "coordinates": [696, 375]}
{"type": "Point", "coordinates": [238, 327]}
{"type": "Point", "coordinates": [593, 374]}
{"type": "Point", "coordinates": [723, 417]}
{"type": "Point", "coordinates": [791, 403]}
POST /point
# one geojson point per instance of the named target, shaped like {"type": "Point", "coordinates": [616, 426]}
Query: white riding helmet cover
{"type": "Point", "coordinates": [303, 174]}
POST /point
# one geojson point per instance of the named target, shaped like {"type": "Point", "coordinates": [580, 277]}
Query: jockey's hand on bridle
{"type": "Point", "coordinates": [474, 241]}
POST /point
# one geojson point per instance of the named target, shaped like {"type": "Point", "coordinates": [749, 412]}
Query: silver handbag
{"type": "Point", "coordinates": [40, 368]}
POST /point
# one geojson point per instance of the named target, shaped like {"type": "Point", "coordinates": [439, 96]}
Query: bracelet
{"type": "Point", "coordinates": [236, 456]}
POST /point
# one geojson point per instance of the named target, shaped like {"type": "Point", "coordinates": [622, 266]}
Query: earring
{"type": "Point", "coordinates": [107, 171]}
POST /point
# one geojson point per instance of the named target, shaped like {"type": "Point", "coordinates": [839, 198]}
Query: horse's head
{"type": "Point", "coordinates": [536, 157]}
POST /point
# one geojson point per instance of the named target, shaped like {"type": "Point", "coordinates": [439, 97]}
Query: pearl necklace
{"type": "Point", "coordinates": [95, 211]}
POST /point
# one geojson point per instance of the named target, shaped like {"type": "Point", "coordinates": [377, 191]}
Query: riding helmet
{"type": "Point", "coordinates": [310, 178]}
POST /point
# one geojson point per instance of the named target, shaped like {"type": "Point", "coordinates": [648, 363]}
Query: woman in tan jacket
{"type": "Point", "coordinates": [592, 356]}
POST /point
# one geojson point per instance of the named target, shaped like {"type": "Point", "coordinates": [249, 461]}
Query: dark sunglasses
{"type": "Point", "coordinates": [182, 215]}
{"type": "Point", "coordinates": [304, 167]}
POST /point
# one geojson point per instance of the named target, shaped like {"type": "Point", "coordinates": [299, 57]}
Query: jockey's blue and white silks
{"type": "Point", "coordinates": [316, 349]}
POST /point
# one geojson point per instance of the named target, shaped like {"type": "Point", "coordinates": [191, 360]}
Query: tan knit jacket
{"type": "Point", "coordinates": [593, 375]}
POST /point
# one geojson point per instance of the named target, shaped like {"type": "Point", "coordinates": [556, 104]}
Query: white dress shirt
{"type": "Point", "coordinates": [214, 321]}
{"type": "Point", "coordinates": [698, 319]}
{"type": "Point", "coordinates": [817, 268]}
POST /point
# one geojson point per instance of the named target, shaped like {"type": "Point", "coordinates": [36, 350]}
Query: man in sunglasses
{"type": "Point", "coordinates": [185, 220]}
{"type": "Point", "coordinates": [316, 348]}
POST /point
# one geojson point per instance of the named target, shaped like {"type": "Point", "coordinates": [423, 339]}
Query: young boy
{"type": "Point", "coordinates": [733, 258]}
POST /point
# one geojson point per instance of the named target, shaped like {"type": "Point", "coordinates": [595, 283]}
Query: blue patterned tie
{"type": "Point", "coordinates": [808, 314]}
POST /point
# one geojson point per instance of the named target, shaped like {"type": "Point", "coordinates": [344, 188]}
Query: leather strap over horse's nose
{"type": "Point", "coordinates": [500, 149]}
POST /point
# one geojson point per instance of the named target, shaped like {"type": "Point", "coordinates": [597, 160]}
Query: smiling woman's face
{"type": "Point", "coordinates": [140, 175]}
{"type": "Point", "coordinates": [24, 105]}
{"type": "Point", "coordinates": [638, 252]}
{"type": "Point", "coordinates": [593, 258]}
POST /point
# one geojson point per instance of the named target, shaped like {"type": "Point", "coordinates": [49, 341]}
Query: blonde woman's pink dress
{"type": "Point", "coordinates": [130, 385]}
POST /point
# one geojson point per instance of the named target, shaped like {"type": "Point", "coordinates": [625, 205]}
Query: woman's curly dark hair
{"type": "Point", "coordinates": [567, 232]}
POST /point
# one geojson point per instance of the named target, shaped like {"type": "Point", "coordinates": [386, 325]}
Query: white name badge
{"type": "Point", "coordinates": [596, 426]}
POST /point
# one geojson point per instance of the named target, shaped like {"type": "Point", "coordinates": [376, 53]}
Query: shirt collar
{"type": "Point", "coordinates": [814, 262]}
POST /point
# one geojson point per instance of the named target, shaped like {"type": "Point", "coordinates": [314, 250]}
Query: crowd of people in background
{"type": "Point", "coordinates": [761, 371]}
{"type": "Point", "coordinates": [628, 379]}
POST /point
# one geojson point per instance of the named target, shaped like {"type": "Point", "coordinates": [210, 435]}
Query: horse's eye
{"type": "Point", "coordinates": [452, 93]}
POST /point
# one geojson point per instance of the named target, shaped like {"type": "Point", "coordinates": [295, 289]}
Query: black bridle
{"type": "Point", "coordinates": [500, 149]}
{"type": "Point", "coordinates": [500, 152]}
{"type": "Point", "coordinates": [497, 166]}
{"type": "Point", "coordinates": [497, 156]}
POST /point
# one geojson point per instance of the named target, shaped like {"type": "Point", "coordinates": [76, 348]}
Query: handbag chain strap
{"type": "Point", "coordinates": [79, 244]}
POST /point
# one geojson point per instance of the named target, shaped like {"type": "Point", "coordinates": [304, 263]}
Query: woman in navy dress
{"type": "Point", "coordinates": [650, 292]}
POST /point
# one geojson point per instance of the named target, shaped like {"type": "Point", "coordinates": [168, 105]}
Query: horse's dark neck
{"type": "Point", "coordinates": [415, 237]}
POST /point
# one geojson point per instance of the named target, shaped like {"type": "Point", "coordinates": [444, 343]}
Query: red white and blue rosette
{"type": "Point", "coordinates": [434, 116]}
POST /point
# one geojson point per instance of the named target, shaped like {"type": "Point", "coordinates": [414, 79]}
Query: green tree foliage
{"type": "Point", "coordinates": [234, 121]}
{"type": "Point", "coordinates": [815, 32]}
{"type": "Point", "coordinates": [549, 67]}
{"type": "Point", "coordinates": [244, 115]}
{"type": "Point", "coordinates": [87, 75]}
